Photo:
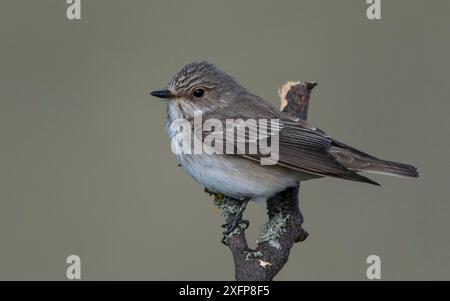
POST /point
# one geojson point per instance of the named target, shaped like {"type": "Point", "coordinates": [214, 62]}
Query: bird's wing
{"type": "Point", "coordinates": [302, 147]}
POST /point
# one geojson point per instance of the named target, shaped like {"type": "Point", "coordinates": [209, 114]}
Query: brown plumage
{"type": "Point", "coordinates": [304, 151]}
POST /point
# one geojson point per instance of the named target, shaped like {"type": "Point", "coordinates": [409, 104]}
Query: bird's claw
{"type": "Point", "coordinates": [231, 226]}
{"type": "Point", "coordinates": [235, 221]}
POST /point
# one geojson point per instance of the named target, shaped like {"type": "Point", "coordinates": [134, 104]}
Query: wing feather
{"type": "Point", "coordinates": [302, 147]}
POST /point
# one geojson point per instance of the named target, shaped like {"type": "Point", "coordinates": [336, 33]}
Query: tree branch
{"type": "Point", "coordinates": [284, 227]}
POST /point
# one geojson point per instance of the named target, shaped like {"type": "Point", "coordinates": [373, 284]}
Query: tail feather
{"type": "Point", "coordinates": [357, 161]}
{"type": "Point", "coordinates": [391, 168]}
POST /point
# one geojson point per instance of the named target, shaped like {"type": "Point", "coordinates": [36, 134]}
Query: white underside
{"type": "Point", "coordinates": [236, 177]}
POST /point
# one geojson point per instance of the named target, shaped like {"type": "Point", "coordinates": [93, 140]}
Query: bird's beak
{"type": "Point", "coordinates": [162, 94]}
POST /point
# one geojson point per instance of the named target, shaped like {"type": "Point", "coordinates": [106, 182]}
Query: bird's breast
{"type": "Point", "coordinates": [231, 175]}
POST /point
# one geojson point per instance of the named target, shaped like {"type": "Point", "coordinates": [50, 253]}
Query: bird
{"type": "Point", "coordinates": [304, 151]}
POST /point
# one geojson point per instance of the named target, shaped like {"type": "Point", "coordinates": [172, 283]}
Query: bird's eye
{"type": "Point", "coordinates": [199, 93]}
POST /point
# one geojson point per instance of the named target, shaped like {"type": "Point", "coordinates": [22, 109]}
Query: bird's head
{"type": "Point", "coordinates": [201, 86]}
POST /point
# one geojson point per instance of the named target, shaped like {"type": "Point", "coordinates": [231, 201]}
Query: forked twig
{"type": "Point", "coordinates": [284, 227]}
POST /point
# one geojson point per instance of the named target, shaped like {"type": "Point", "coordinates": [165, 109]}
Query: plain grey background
{"type": "Point", "coordinates": [86, 167]}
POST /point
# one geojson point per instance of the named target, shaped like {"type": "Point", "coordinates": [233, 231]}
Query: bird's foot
{"type": "Point", "coordinates": [231, 228]}
{"type": "Point", "coordinates": [236, 222]}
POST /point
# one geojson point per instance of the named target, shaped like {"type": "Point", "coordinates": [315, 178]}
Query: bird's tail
{"type": "Point", "coordinates": [390, 168]}
{"type": "Point", "coordinates": [358, 161]}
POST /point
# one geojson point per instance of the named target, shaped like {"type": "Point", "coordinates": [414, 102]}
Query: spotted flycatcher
{"type": "Point", "coordinates": [304, 151]}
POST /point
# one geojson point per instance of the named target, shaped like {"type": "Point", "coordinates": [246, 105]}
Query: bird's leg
{"type": "Point", "coordinates": [235, 220]}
